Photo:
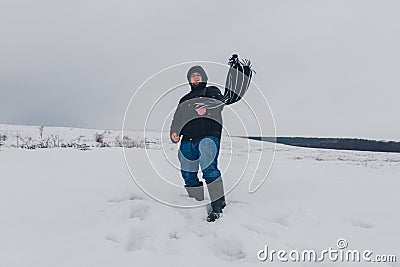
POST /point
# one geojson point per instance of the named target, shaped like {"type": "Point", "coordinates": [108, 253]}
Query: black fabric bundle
{"type": "Point", "coordinates": [237, 80]}
{"type": "Point", "coordinates": [237, 83]}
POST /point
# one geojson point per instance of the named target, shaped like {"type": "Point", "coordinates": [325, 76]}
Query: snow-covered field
{"type": "Point", "coordinates": [66, 207]}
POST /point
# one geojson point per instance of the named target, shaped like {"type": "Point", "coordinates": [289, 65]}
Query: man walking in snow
{"type": "Point", "coordinates": [199, 128]}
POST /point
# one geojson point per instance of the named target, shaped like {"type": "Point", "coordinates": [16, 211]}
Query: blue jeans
{"type": "Point", "coordinates": [203, 152]}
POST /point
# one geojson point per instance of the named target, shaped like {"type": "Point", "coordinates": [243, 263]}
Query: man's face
{"type": "Point", "coordinates": [196, 78]}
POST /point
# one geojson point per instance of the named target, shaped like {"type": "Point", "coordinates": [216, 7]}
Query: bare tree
{"type": "Point", "coordinates": [129, 142]}
{"type": "Point", "coordinates": [3, 139]}
{"type": "Point", "coordinates": [54, 140]}
{"type": "Point", "coordinates": [27, 143]}
{"type": "Point", "coordinates": [21, 142]}
{"type": "Point", "coordinates": [41, 129]}
{"type": "Point", "coordinates": [118, 141]}
{"type": "Point", "coordinates": [76, 142]}
{"type": "Point", "coordinates": [99, 138]}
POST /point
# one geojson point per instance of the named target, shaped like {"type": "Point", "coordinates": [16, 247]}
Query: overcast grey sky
{"type": "Point", "coordinates": [328, 68]}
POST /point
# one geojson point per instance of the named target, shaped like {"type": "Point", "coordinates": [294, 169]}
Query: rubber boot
{"type": "Point", "coordinates": [196, 192]}
{"type": "Point", "coordinates": [217, 196]}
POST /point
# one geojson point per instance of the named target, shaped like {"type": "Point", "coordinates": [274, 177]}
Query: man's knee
{"type": "Point", "coordinates": [190, 178]}
{"type": "Point", "coordinates": [211, 174]}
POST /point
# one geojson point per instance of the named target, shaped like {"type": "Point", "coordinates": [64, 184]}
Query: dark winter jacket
{"type": "Point", "coordinates": [187, 121]}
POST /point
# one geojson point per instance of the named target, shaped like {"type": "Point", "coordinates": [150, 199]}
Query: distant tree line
{"type": "Point", "coordinates": [334, 143]}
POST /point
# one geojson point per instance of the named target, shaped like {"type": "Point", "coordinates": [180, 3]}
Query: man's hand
{"type": "Point", "coordinates": [201, 110]}
{"type": "Point", "coordinates": [175, 138]}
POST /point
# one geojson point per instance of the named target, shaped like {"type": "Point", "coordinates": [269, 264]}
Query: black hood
{"type": "Point", "coordinates": [200, 70]}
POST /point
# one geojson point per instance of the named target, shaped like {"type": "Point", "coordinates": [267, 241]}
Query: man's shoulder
{"type": "Point", "coordinates": [214, 92]}
{"type": "Point", "coordinates": [213, 89]}
{"type": "Point", "coordinates": [185, 98]}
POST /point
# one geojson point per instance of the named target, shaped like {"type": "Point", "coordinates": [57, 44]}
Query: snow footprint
{"type": "Point", "coordinates": [259, 230]}
{"type": "Point", "coordinates": [226, 249]}
{"type": "Point", "coordinates": [125, 197]}
{"type": "Point", "coordinates": [282, 220]}
{"type": "Point", "coordinates": [113, 238]}
{"type": "Point", "coordinates": [139, 211]}
{"type": "Point", "coordinates": [137, 239]}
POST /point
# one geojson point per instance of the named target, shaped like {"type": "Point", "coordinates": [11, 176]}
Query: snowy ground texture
{"type": "Point", "coordinates": [66, 207]}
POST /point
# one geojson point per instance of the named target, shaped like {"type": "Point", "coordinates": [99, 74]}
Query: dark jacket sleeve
{"type": "Point", "coordinates": [176, 124]}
